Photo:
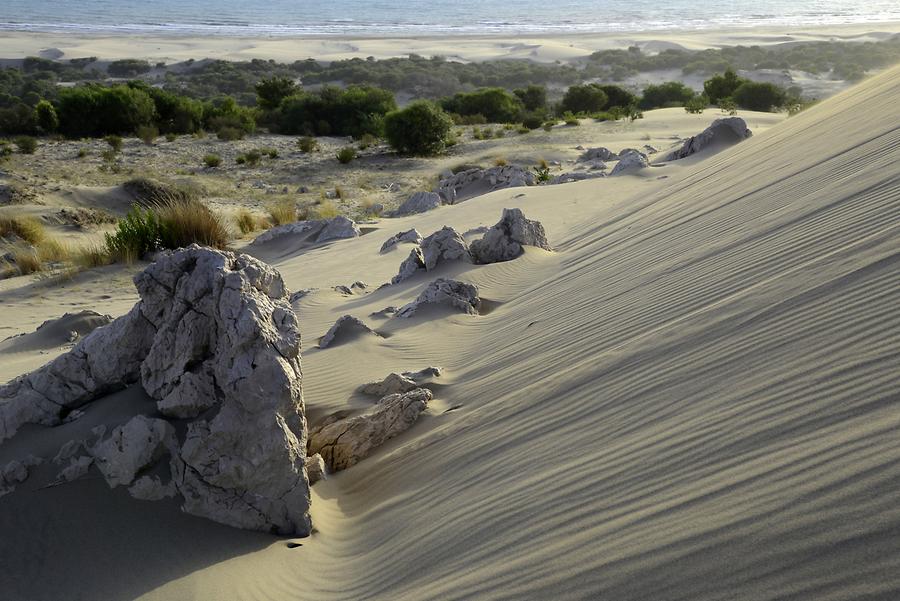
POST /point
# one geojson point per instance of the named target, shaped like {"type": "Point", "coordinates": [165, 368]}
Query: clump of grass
{"type": "Point", "coordinates": [115, 143]}
{"type": "Point", "coordinates": [26, 260]}
{"type": "Point", "coordinates": [570, 119]}
{"type": "Point", "coordinates": [270, 152]}
{"type": "Point", "coordinates": [147, 134]}
{"type": "Point", "coordinates": [212, 160]}
{"type": "Point", "coordinates": [53, 251]}
{"type": "Point", "coordinates": [346, 154]}
{"type": "Point", "coordinates": [171, 137]}
{"type": "Point", "coordinates": [250, 158]}
{"type": "Point", "coordinates": [282, 212]}
{"type": "Point", "coordinates": [82, 152]}
{"type": "Point", "coordinates": [339, 192]}
{"type": "Point", "coordinates": [370, 207]}
{"type": "Point", "coordinates": [91, 255]}
{"type": "Point", "coordinates": [246, 221]}
{"type": "Point", "coordinates": [29, 229]}
{"type": "Point", "coordinates": [325, 209]}
{"type": "Point", "coordinates": [25, 144]}
{"type": "Point", "coordinates": [521, 130]}
{"type": "Point", "coordinates": [500, 162]}
{"type": "Point", "coordinates": [548, 126]}
{"type": "Point", "coordinates": [136, 235]}
{"type": "Point", "coordinates": [367, 141]}
{"type": "Point", "coordinates": [307, 144]}
{"type": "Point", "coordinates": [149, 192]}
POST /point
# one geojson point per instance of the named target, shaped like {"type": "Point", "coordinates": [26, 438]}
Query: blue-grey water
{"type": "Point", "coordinates": [426, 17]}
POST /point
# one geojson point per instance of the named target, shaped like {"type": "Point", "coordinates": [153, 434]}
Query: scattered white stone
{"type": "Point", "coordinates": [474, 182]}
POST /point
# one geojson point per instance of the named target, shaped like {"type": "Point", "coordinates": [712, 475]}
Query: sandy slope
{"type": "Point", "coordinates": [695, 397]}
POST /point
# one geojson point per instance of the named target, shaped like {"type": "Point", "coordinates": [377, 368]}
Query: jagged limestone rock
{"type": "Point", "coordinates": [452, 293]}
{"type": "Point", "coordinates": [504, 241]}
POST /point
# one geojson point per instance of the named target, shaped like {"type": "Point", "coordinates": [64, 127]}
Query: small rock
{"type": "Point", "coordinates": [504, 241]}
{"type": "Point", "coordinates": [131, 448]}
{"type": "Point", "coordinates": [77, 468]}
{"type": "Point", "coordinates": [419, 202]}
{"type": "Point", "coordinates": [453, 293]}
{"type": "Point", "coordinates": [630, 160]}
{"type": "Point", "coordinates": [412, 236]}
{"type": "Point", "coordinates": [147, 488]}
{"type": "Point", "coordinates": [392, 384]}
{"type": "Point", "coordinates": [423, 374]}
{"type": "Point", "coordinates": [315, 468]}
{"type": "Point", "coordinates": [346, 325]}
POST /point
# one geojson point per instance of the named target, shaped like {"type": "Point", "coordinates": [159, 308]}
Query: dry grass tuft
{"type": "Point", "coordinates": [185, 222]}
{"type": "Point", "coordinates": [246, 221]}
{"type": "Point", "coordinates": [91, 255]}
{"type": "Point", "coordinates": [282, 213]}
{"type": "Point", "coordinates": [28, 229]}
{"type": "Point", "coordinates": [324, 210]}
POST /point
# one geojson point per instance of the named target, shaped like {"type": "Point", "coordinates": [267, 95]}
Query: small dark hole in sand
{"type": "Point", "coordinates": [453, 408]}
{"type": "Point", "coordinates": [293, 545]}
{"type": "Point", "coordinates": [367, 230]}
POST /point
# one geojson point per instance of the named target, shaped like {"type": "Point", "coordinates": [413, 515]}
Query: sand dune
{"type": "Point", "coordinates": [693, 397]}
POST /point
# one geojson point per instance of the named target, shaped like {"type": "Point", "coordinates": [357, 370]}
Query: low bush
{"type": "Point", "coordinates": [346, 154]}
{"type": "Point", "coordinates": [696, 105]}
{"type": "Point", "coordinates": [212, 160]}
{"type": "Point", "coordinates": [147, 134]}
{"type": "Point", "coordinates": [422, 128]}
{"type": "Point", "coordinates": [137, 234]}
{"type": "Point", "coordinates": [760, 96]}
{"type": "Point", "coordinates": [586, 98]}
{"type": "Point", "coordinates": [307, 144]}
{"type": "Point", "coordinates": [230, 134]}
{"type": "Point", "coordinates": [325, 209]}
{"type": "Point", "coordinates": [115, 142]}
{"type": "Point", "coordinates": [668, 94]}
{"type": "Point", "coordinates": [246, 222]}
{"type": "Point", "coordinates": [26, 144]}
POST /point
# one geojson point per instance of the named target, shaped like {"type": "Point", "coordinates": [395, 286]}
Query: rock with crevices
{"type": "Point", "coordinates": [457, 295]}
{"type": "Point", "coordinates": [444, 245]}
{"type": "Point", "coordinates": [504, 241]}
{"type": "Point", "coordinates": [393, 383]}
{"type": "Point", "coordinates": [412, 236]}
{"type": "Point", "coordinates": [419, 202]}
{"type": "Point", "coordinates": [131, 447]}
{"type": "Point", "coordinates": [345, 442]}
{"type": "Point", "coordinates": [314, 231]}
{"type": "Point", "coordinates": [630, 160]}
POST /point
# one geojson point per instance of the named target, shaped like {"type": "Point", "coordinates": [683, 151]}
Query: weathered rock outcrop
{"type": "Point", "coordinates": [452, 293]}
{"type": "Point", "coordinates": [213, 340]}
{"type": "Point", "coordinates": [345, 326]}
{"type": "Point", "coordinates": [423, 374]}
{"type": "Point", "coordinates": [419, 202]}
{"type": "Point", "coordinates": [442, 246]}
{"type": "Point", "coordinates": [345, 442]}
{"type": "Point", "coordinates": [314, 231]}
{"type": "Point", "coordinates": [392, 384]}
{"type": "Point", "coordinates": [412, 236]}
{"type": "Point", "coordinates": [504, 241]}
{"type": "Point", "coordinates": [597, 154]}
{"type": "Point", "coordinates": [475, 182]}
{"type": "Point", "coordinates": [721, 133]}
{"type": "Point", "coordinates": [15, 472]}
{"type": "Point", "coordinates": [630, 160]}
{"type": "Point", "coordinates": [577, 176]}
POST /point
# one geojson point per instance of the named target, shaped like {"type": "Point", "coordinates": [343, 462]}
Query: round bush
{"type": "Point", "coordinates": [422, 128]}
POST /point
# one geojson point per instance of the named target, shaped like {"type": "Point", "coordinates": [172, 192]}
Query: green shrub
{"type": "Point", "coordinates": [582, 99]}
{"type": "Point", "coordinates": [136, 235]}
{"type": "Point", "coordinates": [760, 96]}
{"type": "Point", "coordinates": [25, 144]}
{"type": "Point", "coordinates": [230, 134]}
{"type": "Point", "coordinates": [250, 158]}
{"type": "Point", "coordinates": [170, 137]}
{"type": "Point", "coordinates": [549, 125]}
{"type": "Point", "coordinates": [570, 119]}
{"type": "Point", "coordinates": [271, 91]}
{"type": "Point", "coordinates": [128, 67]}
{"type": "Point", "coordinates": [367, 141]}
{"type": "Point", "coordinates": [353, 111]}
{"type": "Point", "coordinates": [670, 93]}
{"type": "Point", "coordinates": [696, 105]}
{"type": "Point", "coordinates": [618, 97]}
{"type": "Point", "coordinates": [346, 154]}
{"type": "Point", "coordinates": [45, 117]}
{"type": "Point", "coordinates": [542, 173]}
{"type": "Point", "coordinates": [422, 128]}
{"type": "Point", "coordinates": [307, 144]}
{"type": "Point", "coordinates": [115, 142]}
{"type": "Point", "coordinates": [93, 110]}
{"type": "Point", "coordinates": [495, 104]}
{"type": "Point", "coordinates": [720, 87]}
{"type": "Point", "coordinates": [212, 160]}
{"type": "Point", "coordinates": [82, 152]}
{"type": "Point", "coordinates": [270, 152]}
{"type": "Point", "coordinates": [533, 98]}
{"type": "Point", "coordinates": [147, 134]}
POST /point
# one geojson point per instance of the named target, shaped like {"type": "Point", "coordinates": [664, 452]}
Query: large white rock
{"type": "Point", "coordinates": [419, 202]}
{"type": "Point", "coordinates": [721, 133]}
{"type": "Point", "coordinates": [344, 443]}
{"type": "Point", "coordinates": [504, 241]}
{"type": "Point", "coordinates": [452, 293]}
{"type": "Point", "coordinates": [213, 340]}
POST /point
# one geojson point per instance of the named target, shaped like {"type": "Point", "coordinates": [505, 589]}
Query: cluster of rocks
{"type": "Point", "coordinates": [455, 294]}
{"type": "Point", "coordinates": [456, 187]}
{"type": "Point", "coordinates": [502, 242]}
{"type": "Point", "coordinates": [215, 343]}
{"type": "Point", "coordinates": [722, 132]}
{"type": "Point", "coordinates": [354, 288]}
{"type": "Point", "coordinates": [630, 160]}
{"type": "Point", "coordinates": [314, 231]}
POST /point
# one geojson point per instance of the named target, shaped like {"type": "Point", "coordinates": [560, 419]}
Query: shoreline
{"type": "Point", "coordinates": [469, 48]}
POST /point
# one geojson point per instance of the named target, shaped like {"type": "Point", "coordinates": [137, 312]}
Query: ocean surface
{"type": "Point", "coordinates": [426, 17]}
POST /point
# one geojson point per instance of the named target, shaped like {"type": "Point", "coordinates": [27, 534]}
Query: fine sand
{"type": "Point", "coordinates": [693, 397]}
{"type": "Point", "coordinates": [546, 48]}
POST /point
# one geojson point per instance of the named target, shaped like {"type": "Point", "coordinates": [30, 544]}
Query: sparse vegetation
{"type": "Point", "coordinates": [147, 134]}
{"type": "Point", "coordinates": [346, 154]}
{"type": "Point", "coordinates": [307, 144]}
{"type": "Point", "coordinates": [26, 144]}
{"type": "Point", "coordinates": [212, 160]}
{"type": "Point", "coordinates": [28, 229]}
{"type": "Point", "coordinates": [282, 212]}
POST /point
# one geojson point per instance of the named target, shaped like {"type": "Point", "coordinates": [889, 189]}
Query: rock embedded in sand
{"type": "Point", "coordinates": [346, 325]}
{"type": "Point", "coordinates": [392, 384]}
{"type": "Point", "coordinates": [475, 182]}
{"type": "Point", "coordinates": [78, 467]}
{"type": "Point", "coordinates": [15, 472]}
{"type": "Point", "coordinates": [597, 154]}
{"type": "Point", "coordinates": [721, 132]}
{"type": "Point", "coordinates": [504, 241]}
{"type": "Point", "coordinates": [214, 330]}
{"type": "Point", "coordinates": [568, 178]}
{"type": "Point", "coordinates": [452, 293]}
{"type": "Point", "coordinates": [151, 488]}
{"type": "Point", "coordinates": [314, 231]}
{"type": "Point", "coordinates": [412, 236]}
{"type": "Point", "coordinates": [419, 202]}
{"type": "Point", "coordinates": [132, 447]}
{"type": "Point", "coordinates": [630, 160]}
{"type": "Point", "coordinates": [345, 442]}
{"type": "Point", "coordinates": [423, 374]}
{"type": "Point", "coordinates": [442, 246]}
